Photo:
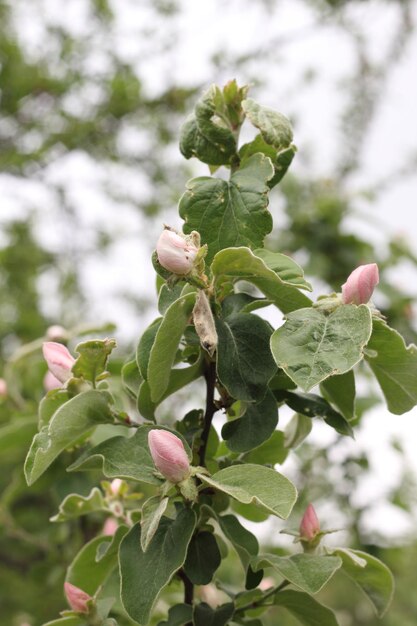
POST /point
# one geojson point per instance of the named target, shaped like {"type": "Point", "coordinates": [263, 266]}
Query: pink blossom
{"type": "Point", "coordinates": [310, 525]}
{"type": "Point", "coordinates": [55, 333]}
{"type": "Point", "coordinates": [359, 287]}
{"type": "Point", "coordinates": [50, 382]}
{"type": "Point", "coordinates": [77, 598]}
{"type": "Point", "coordinates": [3, 388]}
{"type": "Point", "coordinates": [169, 455]}
{"type": "Point", "coordinates": [115, 486]}
{"type": "Point", "coordinates": [175, 253]}
{"type": "Point", "coordinates": [59, 360]}
{"type": "Point", "coordinates": [110, 526]}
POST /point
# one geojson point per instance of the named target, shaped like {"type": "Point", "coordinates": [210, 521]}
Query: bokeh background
{"type": "Point", "coordinates": [92, 96]}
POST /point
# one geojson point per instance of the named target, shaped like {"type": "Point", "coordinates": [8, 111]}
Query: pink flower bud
{"type": "Point", "coordinates": [115, 486]}
{"type": "Point", "coordinates": [310, 525]}
{"type": "Point", "coordinates": [59, 360]}
{"type": "Point", "coordinates": [359, 287]}
{"type": "Point", "coordinates": [50, 382]}
{"type": "Point", "coordinates": [77, 598]}
{"type": "Point", "coordinates": [3, 388]}
{"type": "Point", "coordinates": [168, 454]}
{"type": "Point", "coordinates": [56, 333]}
{"type": "Point", "coordinates": [175, 253]}
{"type": "Point", "coordinates": [110, 526]}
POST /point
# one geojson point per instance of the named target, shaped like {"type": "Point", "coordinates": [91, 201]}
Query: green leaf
{"type": "Point", "coordinates": [51, 403]}
{"type": "Point", "coordinates": [150, 571]}
{"type": "Point", "coordinates": [151, 513]}
{"type": "Point", "coordinates": [281, 159]}
{"type": "Point", "coordinates": [164, 349]}
{"type": "Point", "coordinates": [92, 362]}
{"type": "Point", "coordinates": [372, 576]}
{"type": "Point", "coordinates": [312, 405]}
{"type": "Point", "coordinates": [145, 345]}
{"type": "Point", "coordinates": [207, 134]}
{"type": "Point", "coordinates": [124, 457]}
{"type": "Point", "coordinates": [131, 378]}
{"type": "Point", "coordinates": [204, 615]}
{"type": "Point", "coordinates": [244, 361]}
{"type": "Point", "coordinates": [395, 367]}
{"type": "Point", "coordinates": [254, 427]}
{"type": "Point", "coordinates": [179, 615]}
{"type": "Point", "coordinates": [95, 562]}
{"type": "Point", "coordinates": [75, 505]}
{"type": "Point", "coordinates": [203, 558]}
{"type": "Point", "coordinates": [168, 294]}
{"type": "Point", "coordinates": [297, 429]}
{"type": "Point", "coordinates": [340, 391]}
{"type": "Point", "coordinates": [68, 621]}
{"type": "Point", "coordinates": [276, 275]}
{"type": "Point", "coordinates": [178, 378]}
{"type": "Point", "coordinates": [256, 484]}
{"type": "Point", "coordinates": [270, 452]}
{"type": "Point", "coordinates": [308, 572]}
{"type": "Point", "coordinates": [75, 418]}
{"type": "Point", "coordinates": [275, 128]}
{"type": "Point", "coordinates": [312, 346]}
{"type": "Point", "coordinates": [228, 214]}
{"type": "Point", "coordinates": [305, 608]}
{"type": "Point", "coordinates": [243, 541]}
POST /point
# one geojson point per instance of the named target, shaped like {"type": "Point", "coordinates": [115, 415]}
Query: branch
{"type": "Point", "coordinates": [267, 594]}
{"type": "Point", "coordinates": [210, 376]}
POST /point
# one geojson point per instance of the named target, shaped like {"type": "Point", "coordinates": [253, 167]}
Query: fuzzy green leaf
{"type": "Point", "coordinates": [256, 484]}
{"type": "Point", "coordinates": [312, 346]}
{"type": "Point", "coordinates": [165, 345]}
{"type": "Point", "coordinates": [275, 128]}
{"type": "Point", "coordinates": [395, 367]}
{"type": "Point", "coordinates": [95, 562]}
{"type": "Point", "coordinates": [244, 360]}
{"type": "Point", "coordinates": [204, 615]}
{"type": "Point", "coordinates": [255, 426]}
{"type": "Point", "coordinates": [203, 558]}
{"type": "Point", "coordinates": [276, 275]}
{"type": "Point", "coordinates": [340, 391]}
{"type": "Point", "coordinates": [207, 133]}
{"type": "Point", "coordinates": [372, 576]}
{"type": "Point", "coordinates": [305, 608]}
{"type": "Point", "coordinates": [75, 505]}
{"type": "Point", "coordinates": [152, 570]}
{"type": "Point", "coordinates": [308, 572]}
{"type": "Point", "coordinates": [311, 405]}
{"type": "Point", "coordinates": [228, 214]}
{"type": "Point", "coordinates": [178, 615]}
{"type": "Point", "coordinates": [75, 418]}
{"type": "Point", "coordinates": [92, 362]}
{"type": "Point", "coordinates": [124, 457]}
{"type": "Point", "coordinates": [151, 513]}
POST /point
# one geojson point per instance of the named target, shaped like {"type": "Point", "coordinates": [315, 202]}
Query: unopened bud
{"type": "Point", "coordinates": [50, 382]}
{"type": "Point", "coordinates": [59, 360]}
{"type": "Point", "coordinates": [3, 388]}
{"type": "Point", "coordinates": [56, 333]}
{"type": "Point", "coordinates": [77, 598]}
{"type": "Point", "coordinates": [169, 455]}
{"type": "Point", "coordinates": [310, 525]}
{"type": "Point", "coordinates": [115, 486]}
{"type": "Point", "coordinates": [176, 253]}
{"type": "Point", "coordinates": [110, 526]}
{"type": "Point", "coordinates": [360, 285]}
